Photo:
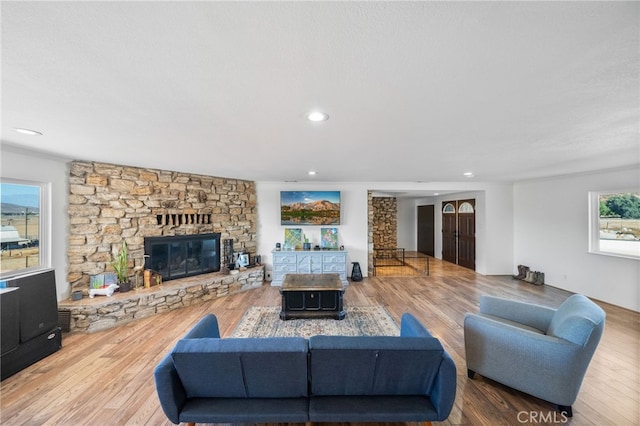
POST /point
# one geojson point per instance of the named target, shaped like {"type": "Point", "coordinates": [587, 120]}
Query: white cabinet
{"type": "Point", "coordinates": [309, 262]}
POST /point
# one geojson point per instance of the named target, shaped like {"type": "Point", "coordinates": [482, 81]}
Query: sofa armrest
{"type": "Point", "coordinates": [531, 315]}
{"type": "Point", "coordinates": [443, 393]}
{"type": "Point", "coordinates": [411, 327]}
{"type": "Point", "coordinates": [206, 327]}
{"type": "Point", "coordinates": [171, 393]}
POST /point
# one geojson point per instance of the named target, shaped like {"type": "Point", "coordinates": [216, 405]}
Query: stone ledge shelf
{"type": "Point", "coordinates": [102, 312]}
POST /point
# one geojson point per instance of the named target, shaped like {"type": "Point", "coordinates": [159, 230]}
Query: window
{"type": "Point", "coordinates": [614, 223]}
{"type": "Point", "coordinates": [465, 207]}
{"type": "Point", "coordinates": [24, 207]}
{"type": "Point", "coordinates": [448, 208]}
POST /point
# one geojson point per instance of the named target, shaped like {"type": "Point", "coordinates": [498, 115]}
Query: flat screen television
{"type": "Point", "coordinates": [309, 208]}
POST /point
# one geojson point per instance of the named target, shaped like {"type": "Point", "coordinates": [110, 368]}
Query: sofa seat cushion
{"type": "Point", "coordinates": [371, 409]}
{"type": "Point", "coordinates": [242, 368]}
{"type": "Point", "coordinates": [245, 410]}
{"type": "Point", "coordinates": [380, 365]}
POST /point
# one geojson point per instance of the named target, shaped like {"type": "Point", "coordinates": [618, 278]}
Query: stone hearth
{"type": "Point", "coordinates": [102, 312]}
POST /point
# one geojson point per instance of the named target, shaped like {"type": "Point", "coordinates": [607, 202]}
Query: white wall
{"type": "Point", "coordinates": [494, 226]}
{"type": "Point", "coordinates": [494, 248]}
{"type": "Point", "coordinates": [28, 165]}
{"type": "Point", "coordinates": [352, 232]}
{"type": "Point", "coordinates": [408, 223]}
{"type": "Point", "coordinates": [551, 235]}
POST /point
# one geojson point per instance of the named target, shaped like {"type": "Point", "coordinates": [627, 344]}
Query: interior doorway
{"type": "Point", "coordinates": [459, 232]}
{"type": "Point", "coordinates": [426, 230]}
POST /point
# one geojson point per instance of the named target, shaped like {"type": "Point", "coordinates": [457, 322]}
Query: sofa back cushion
{"type": "Point", "coordinates": [381, 365]}
{"type": "Point", "coordinates": [242, 368]}
{"type": "Point", "coordinates": [577, 320]}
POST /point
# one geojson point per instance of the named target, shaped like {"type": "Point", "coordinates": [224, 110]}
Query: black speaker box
{"type": "Point", "coordinates": [38, 303]}
{"type": "Point", "coordinates": [29, 324]}
{"type": "Point", "coordinates": [30, 352]}
{"type": "Point", "coordinates": [9, 319]}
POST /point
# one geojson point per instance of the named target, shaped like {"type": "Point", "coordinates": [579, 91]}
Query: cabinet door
{"type": "Point", "coordinates": [334, 267]}
{"type": "Point", "coordinates": [336, 263]}
{"type": "Point", "coordinates": [284, 258]}
{"type": "Point", "coordinates": [284, 268]}
{"type": "Point", "coordinates": [329, 300]}
{"type": "Point", "coordinates": [294, 300]}
{"type": "Point", "coordinates": [309, 264]}
{"type": "Point", "coordinates": [335, 258]}
{"type": "Point", "coordinates": [312, 300]}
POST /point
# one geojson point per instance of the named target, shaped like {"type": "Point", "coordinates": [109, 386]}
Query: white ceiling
{"type": "Point", "coordinates": [416, 91]}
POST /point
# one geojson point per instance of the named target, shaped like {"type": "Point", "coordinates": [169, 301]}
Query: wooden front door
{"type": "Point", "coordinates": [426, 230]}
{"type": "Point", "coordinates": [467, 234]}
{"type": "Point", "coordinates": [459, 232]}
{"type": "Point", "coordinates": [450, 231]}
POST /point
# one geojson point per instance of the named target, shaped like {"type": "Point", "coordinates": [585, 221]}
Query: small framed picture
{"type": "Point", "coordinates": [243, 259]}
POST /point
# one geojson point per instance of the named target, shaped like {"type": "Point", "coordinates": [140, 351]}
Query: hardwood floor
{"type": "Point", "coordinates": [106, 378]}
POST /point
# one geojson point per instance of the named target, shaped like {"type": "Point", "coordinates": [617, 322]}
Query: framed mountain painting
{"type": "Point", "coordinates": [309, 208]}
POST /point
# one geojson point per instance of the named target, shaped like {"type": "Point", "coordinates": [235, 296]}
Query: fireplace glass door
{"type": "Point", "coordinates": [183, 256]}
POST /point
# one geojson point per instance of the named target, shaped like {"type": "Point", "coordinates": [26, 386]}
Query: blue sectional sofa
{"type": "Point", "coordinates": [207, 379]}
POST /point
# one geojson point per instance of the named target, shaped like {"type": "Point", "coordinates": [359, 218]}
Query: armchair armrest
{"type": "Point", "coordinates": [171, 393]}
{"type": "Point", "coordinates": [531, 315]}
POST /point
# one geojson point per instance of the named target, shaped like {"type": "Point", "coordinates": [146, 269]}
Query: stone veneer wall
{"type": "Point", "coordinates": [110, 203]}
{"type": "Point", "coordinates": [370, 217]}
{"type": "Point", "coordinates": [385, 222]}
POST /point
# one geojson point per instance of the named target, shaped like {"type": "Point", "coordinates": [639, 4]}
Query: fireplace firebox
{"type": "Point", "coordinates": [183, 255]}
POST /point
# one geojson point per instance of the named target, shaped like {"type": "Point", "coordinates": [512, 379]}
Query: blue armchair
{"type": "Point", "coordinates": [540, 351]}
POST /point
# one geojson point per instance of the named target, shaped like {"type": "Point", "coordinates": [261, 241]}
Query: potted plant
{"type": "Point", "coordinates": [121, 268]}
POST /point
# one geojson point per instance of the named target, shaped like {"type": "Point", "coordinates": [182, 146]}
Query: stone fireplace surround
{"type": "Point", "coordinates": [110, 203]}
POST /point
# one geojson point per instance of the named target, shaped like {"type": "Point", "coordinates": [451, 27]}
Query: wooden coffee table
{"type": "Point", "coordinates": [312, 296]}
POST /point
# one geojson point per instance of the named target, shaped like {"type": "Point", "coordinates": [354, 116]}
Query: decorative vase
{"type": "Point", "coordinates": [125, 286]}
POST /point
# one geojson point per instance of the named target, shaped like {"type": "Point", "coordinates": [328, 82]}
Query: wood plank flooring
{"type": "Point", "coordinates": [106, 378]}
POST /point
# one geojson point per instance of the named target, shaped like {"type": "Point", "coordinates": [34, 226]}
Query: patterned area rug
{"type": "Point", "coordinates": [264, 321]}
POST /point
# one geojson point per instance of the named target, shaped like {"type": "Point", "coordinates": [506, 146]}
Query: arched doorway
{"type": "Point", "coordinates": [459, 232]}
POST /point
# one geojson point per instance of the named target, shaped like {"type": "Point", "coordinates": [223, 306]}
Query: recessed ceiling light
{"type": "Point", "coordinates": [311, 172]}
{"type": "Point", "coordinates": [28, 132]}
{"type": "Point", "coordinates": [468, 174]}
{"type": "Point", "coordinates": [317, 116]}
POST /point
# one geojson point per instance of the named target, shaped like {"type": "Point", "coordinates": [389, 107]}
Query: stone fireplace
{"type": "Point", "coordinates": [110, 203]}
